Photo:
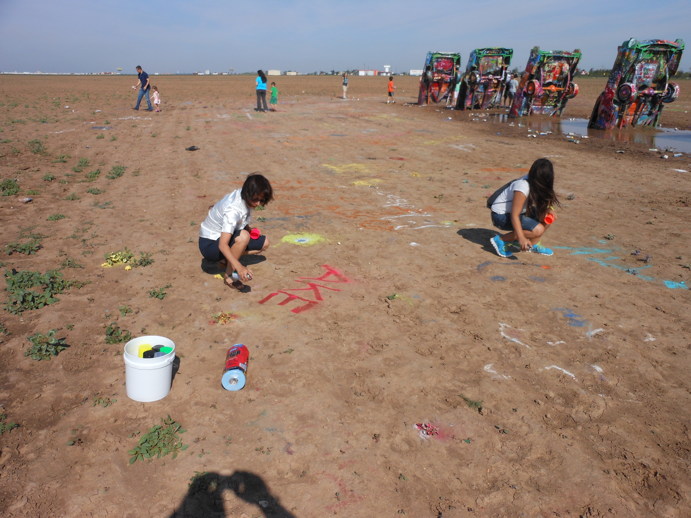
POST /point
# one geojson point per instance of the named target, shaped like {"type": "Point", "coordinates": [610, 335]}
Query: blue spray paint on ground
{"type": "Point", "coordinates": [614, 261]}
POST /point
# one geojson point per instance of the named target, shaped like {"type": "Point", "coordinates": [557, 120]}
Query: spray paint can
{"type": "Point", "coordinates": [237, 358]}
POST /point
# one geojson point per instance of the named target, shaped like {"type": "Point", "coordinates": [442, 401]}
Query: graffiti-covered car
{"type": "Point", "coordinates": [547, 83]}
{"type": "Point", "coordinates": [439, 77]}
{"type": "Point", "coordinates": [639, 85]}
{"type": "Point", "coordinates": [483, 83]}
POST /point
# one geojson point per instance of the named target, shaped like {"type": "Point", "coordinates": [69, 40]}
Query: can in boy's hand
{"type": "Point", "coordinates": [237, 358]}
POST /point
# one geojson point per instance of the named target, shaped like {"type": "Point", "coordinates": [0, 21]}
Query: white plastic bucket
{"type": "Point", "coordinates": [148, 379]}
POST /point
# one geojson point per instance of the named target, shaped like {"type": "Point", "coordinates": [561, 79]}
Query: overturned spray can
{"type": "Point", "coordinates": [237, 358]}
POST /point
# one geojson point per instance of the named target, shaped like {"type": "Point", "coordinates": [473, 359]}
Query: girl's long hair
{"type": "Point", "coordinates": [260, 73]}
{"type": "Point", "coordinates": [541, 196]}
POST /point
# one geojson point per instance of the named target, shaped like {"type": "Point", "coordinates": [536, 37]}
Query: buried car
{"type": "Point", "coordinates": [439, 77]}
{"type": "Point", "coordinates": [638, 86]}
{"type": "Point", "coordinates": [547, 83]}
{"type": "Point", "coordinates": [482, 86]}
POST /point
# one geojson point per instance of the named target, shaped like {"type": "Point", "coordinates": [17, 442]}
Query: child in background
{"type": "Point", "coordinates": [157, 98]}
{"type": "Point", "coordinates": [225, 235]}
{"type": "Point", "coordinates": [522, 207]}
{"type": "Point", "coordinates": [391, 91]}
{"type": "Point", "coordinates": [273, 101]}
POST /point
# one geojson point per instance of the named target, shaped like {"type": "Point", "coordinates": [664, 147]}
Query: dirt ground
{"type": "Point", "coordinates": [398, 365]}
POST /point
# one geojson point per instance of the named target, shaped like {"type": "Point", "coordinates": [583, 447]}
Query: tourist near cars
{"type": "Point", "coordinates": [639, 85]}
{"type": "Point", "coordinates": [482, 86]}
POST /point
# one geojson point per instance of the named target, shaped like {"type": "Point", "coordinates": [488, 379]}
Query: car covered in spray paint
{"type": "Point", "coordinates": [547, 83]}
{"type": "Point", "coordinates": [482, 86]}
{"type": "Point", "coordinates": [439, 77]}
{"type": "Point", "coordinates": [639, 85]}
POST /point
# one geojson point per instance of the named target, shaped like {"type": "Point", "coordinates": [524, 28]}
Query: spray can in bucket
{"type": "Point", "coordinates": [237, 358]}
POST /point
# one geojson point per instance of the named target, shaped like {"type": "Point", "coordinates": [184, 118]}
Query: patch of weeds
{"type": "Point", "coordinates": [5, 426]}
{"type": "Point", "coordinates": [116, 335]}
{"type": "Point", "coordinates": [439, 197]}
{"type": "Point", "coordinates": [125, 310]}
{"type": "Point", "coordinates": [116, 172]}
{"type": "Point", "coordinates": [223, 318]}
{"type": "Point", "coordinates": [28, 248]}
{"type": "Point", "coordinates": [393, 296]}
{"type": "Point", "coordinates": [91, 176]}
{"type": "Point", "coordinates": [136, 172]}
{"type": "Point", "coordinates": [126, 257]}
{"type": "Point", "coordinates": [103, 401]}
{"type": "Point", "coordinates": [32, 192]}
{"type": "Point", "coordinates": [81, 165]}
{"type": "Point", "coordinates": [5, 141]}
{"type": "Point", "coordinates": [260, 207]}
{"type": "Point", "coordinates": [610, 237]}
{"type": "Point", "coordinates": [100, 136]}
{"type": "Point", "coordinates": [72, 197]}
{"type": "Point", "coordinates": [44, 347]}
{"type": "Point", "coordinates": [104, 205]}
{"type": "Point", "coordinates": [49, 177]}
{"type": "Point", "coordinates": [37, 147]}
{"type": "Point", "coordinates": [61, 159]}
{"type": "Point", "coordinates": [70, 263]}
{"type": "Point", "coordinates": [261, 219]}
{"type": "Point", "coordinates": [187, 128]}
{"type": "Point", "coordinates": [106, 123]}
{"type": "Point", "coordinates": [159, 293]}
{"type": "Point", "coordinates": [69, 327]}
{"type": "Point", "coordinates": [95, 191]}
{"type": "Point", "coordinates": [113, 138]}
{"type": "Point", "coordinates": [33, 290]}
{"type": "Point", "coordinates": [55, 217]}
{"type": "Point", "coordinates": [154, 135]}
{"type": "Point", "coordinates": [9, 187]}
{"type": "Point", "coordinates": [159, 441]}
{"type": "Point", "coordinates": [475, 405]}
{"type": "Point", "coordinates": [3, 329]}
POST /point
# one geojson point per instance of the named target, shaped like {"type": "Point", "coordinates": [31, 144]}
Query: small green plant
{"type": "Point", "coordinates": [44, 347]}
{"type": "Point", "coordinates": [124, 310]}
{"type": "Point", "coordinates": [104, 205]}
{"type": "Point", "coordinates": [475, 405]}
{"type": "Point", "coordinates": [100, 136]}
{"type": "Point", "coordinates": [33, 192]}
{"type": "Point", "coordinates": [56, 217]}
{"type": "Point", "coordinates": [159, 293]}
{"type": "Point", "coordinates": [33, 290]}
{"type": "Point", "coordinates": [103, 401]}
{"type": "Point", "coordinates": [72, 197]}
{"type": "Point", "coordinates": [37, 147]}
{"type": "Point", "coordinates": [113, 138]}
{"type": "Point", "coordinates": [61, 159]}
{"type": "Point", "coordinates": [70, 263]}
{"type": "Point", "coordinates": [116, 172]}
{"type": "Point", "coordinates": [124, 256]}
{"type": "Point", "coordinates": [9, 187]}
{"type": "Point", "coordinates": [159, 441]}
{"type": "Point", "coordinates": [5, 426]}
{"type": "Point", "coordinates": [116, 335]}
{"type": "Point", "coordinates": [48, 177]}
{"type": "Point", "coordinates": [83, 163]}
{"type": "Point", "coordinates": [28, 248]}
{"type": "Point", "coordinates": [95, 191]}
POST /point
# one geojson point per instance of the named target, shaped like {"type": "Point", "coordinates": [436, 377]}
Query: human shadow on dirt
{"type": "Point", "coordinates": [205, 496]}
{"type": "Point", "coordinates": [479, 236]}
{"type": "Point", "coordinates": [213, 268]}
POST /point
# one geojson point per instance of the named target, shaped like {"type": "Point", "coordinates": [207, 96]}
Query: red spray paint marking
{"type": "Point", "coordinates": [332, 275]}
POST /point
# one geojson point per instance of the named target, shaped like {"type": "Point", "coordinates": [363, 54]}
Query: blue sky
{"type": "Point", "coordinates": [169, 36]}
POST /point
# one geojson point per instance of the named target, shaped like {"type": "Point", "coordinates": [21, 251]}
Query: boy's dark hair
{"type": "Point", "coordinates": [256, 186]}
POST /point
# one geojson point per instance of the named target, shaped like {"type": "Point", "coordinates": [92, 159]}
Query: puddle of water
{"type": "Point", "coordinates": [660, 138]}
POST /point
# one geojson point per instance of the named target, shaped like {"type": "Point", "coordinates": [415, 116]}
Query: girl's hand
{"type": "Point", "coordinates": [525, 243]}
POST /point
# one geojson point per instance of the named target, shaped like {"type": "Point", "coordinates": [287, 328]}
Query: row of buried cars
{"type": "Point", "coordinates": [637, 89]}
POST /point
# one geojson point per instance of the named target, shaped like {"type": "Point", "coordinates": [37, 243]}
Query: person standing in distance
{"type": "Point", "coordinates": [345, 85]}
{"type": "Point", "coordinates": [261, 92]}
{"type": "Point", "coordinates": [144, 87]}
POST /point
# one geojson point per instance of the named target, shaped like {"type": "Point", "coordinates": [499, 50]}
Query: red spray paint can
{"type": "Point", "coordinates": [237, 359]}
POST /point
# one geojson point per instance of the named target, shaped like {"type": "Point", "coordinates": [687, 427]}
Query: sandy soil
{"type": "Point", "coordinates": [547, 386]}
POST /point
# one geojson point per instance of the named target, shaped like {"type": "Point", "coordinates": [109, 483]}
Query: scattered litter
{"type": "Point", "coordinates": [677, 155]}
{"type": "Point", "coordinates": [413, 243]}
{"type": "Point", "coordinates": [192, 148]}
{"type": "Point", "coordinates": [665, 157]}
{"type": "Point", "coordinates": [653, 149]}
{"type": "Point", "coordinates": [680, 170]}
{"type": "Point", "coordinates": [101, 127]}
{"type": "Point", "coordinates": [26, 200]}
{"type": "Point", "coordinates": [621, 151]}
{"type": "Point", "coordinates": [427, 430]}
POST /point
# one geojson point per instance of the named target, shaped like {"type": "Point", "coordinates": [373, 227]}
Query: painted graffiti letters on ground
{"type": "Point", "coordinates": [313, 289]}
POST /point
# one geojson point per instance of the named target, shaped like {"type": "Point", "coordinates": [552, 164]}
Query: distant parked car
{"type": "Point", "coordinates": [639, 85]}
{"type": "Point", "coordinates": [547, 83]}
{"type": "Point", "coordinates": [484, 81]}
{"type": "Point", "coordinates": [439, 77]}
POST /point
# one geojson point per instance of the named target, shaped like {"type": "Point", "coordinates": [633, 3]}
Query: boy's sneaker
{"type": "Point", "coordinates": [500, 247]}
{"type": "Point", "coordinates": [542, 250]}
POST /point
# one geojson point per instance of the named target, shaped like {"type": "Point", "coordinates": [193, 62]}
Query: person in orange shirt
{"type": "Point", "coordinates": [391, 91]}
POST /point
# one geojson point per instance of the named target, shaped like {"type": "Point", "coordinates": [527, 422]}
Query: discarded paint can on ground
{"type": "Point", "coordinates": [237, 358]}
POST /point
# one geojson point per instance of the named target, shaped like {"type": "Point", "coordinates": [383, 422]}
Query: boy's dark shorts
{"type": "Point", "coordinates": [211, 252]}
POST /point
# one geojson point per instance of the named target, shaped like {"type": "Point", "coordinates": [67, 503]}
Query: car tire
{"type": "Point", "coordinates": [671, 93]}
{"type": "Point", "coordinates": [626, 93]}
{"type": "Point", "coordinates": [571, 90]}
{"type": "Point", "coordinates": [532, 87]}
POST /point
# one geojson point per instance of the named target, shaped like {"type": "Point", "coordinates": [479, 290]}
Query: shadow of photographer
{"type": "Point", "coordinates": [205, 496]}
